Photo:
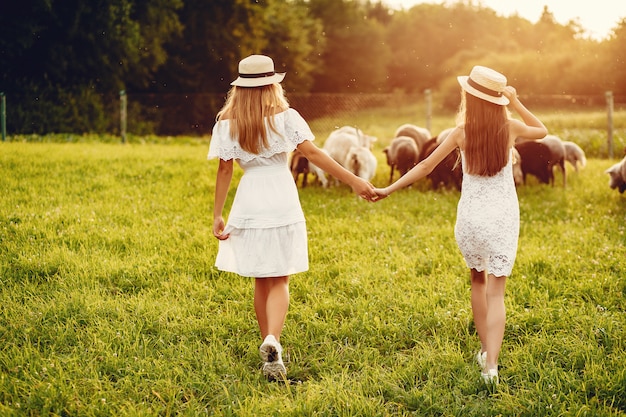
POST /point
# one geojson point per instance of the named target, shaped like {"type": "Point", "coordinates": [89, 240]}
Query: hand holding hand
{"type": "Point", "coordinates": [365, 190]}
{"type": "Point", "coordinates": [218, 228]}
{"type": "Point", "coordinates": [381, 193]}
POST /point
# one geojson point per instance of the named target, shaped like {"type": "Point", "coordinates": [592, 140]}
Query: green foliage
{"type": "Point", "coordinates": [296, 43]}
{"type": "Point", "coordinates": [63, 63]}
{"type": "Point", "coordinates": [204, 58]}
{"type": "Point", "coordinates": [355, 54]}
{"type": "Point", "coordinates": [103, 45]}
{"type": "Point", "coordinates": [72, 56]}
{"type": "Point", "coordinates": [111, 304]}
{"type": "Point", "coordinates": [56, 109]}
{"type": "Point", "coordinates": [617, 56]}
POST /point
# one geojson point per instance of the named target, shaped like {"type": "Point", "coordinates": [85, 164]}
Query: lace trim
{"type": "Point", "coordinates": [293, 128]}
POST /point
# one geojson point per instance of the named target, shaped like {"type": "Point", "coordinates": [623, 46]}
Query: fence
{"type": "Point", "coordinates": [182, 114]}
{"type": "Point", "coordinates": [193, 114]}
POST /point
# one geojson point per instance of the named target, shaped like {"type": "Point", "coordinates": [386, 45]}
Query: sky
{"type": "Point", "coordinates": [597, 17]}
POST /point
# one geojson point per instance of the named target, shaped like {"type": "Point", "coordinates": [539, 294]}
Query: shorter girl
{"type": "Point", "coordinates": [487, 224]}
{"type": "Point", "coordinates": [266, 235]}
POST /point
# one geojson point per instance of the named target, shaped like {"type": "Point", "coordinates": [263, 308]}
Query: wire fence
{"type": "Point", "coordinates": [194, 114]}
{"type": "Point", "coordinates": [176, 114]}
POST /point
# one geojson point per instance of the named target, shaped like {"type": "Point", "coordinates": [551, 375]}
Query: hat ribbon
{"type": "Point", "coordinates": [482, 89]}
{"type": "Point", "coordinates": [260, 75]}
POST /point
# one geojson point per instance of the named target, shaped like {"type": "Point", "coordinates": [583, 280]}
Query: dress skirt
{"type": "Point", "coordinates": [268, 236]}
{"type": "Point", "coordinates": [487, 224]}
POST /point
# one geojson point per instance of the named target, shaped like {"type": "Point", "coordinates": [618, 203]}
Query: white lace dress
{"type": "Point", "coordinates": [487, 223]}
{"type": "Point", "coordinates": [267, 228]}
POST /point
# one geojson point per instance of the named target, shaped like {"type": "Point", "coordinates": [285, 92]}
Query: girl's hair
{"type": "Point", "coordinates": [248, 109]}
{"type": "Point", "coordinates": [486, 135]}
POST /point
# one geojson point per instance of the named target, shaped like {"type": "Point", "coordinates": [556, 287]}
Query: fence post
{"type": "Point", "coordinates": [429, 107]}
{"type": "Point", "coordinates": [609, 112]}
{"type": "Point", "coordinates": [123, 115]}
{"type": "Point", "coordinates": [3, 115]}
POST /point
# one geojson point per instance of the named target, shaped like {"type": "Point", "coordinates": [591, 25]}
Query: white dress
{"type": "Point", "coordinates": [267, 228]}
{"type": "Point", "coordinates": [487, 223]}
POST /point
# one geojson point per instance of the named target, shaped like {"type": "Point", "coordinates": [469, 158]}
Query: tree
{"type": "Point", "coordinates": [356, 54]}
{"type": "Point", "coordinates": [428, 38]}
{"type": "Point", "coordinates": [216, 36]}
{"type": "Point", "coordinates": [294, 38]}
{"type": "Point", "coordinates": [616, 58]}
{"type": "Point", "coordinates": [59, 51]}
{"type": "Point", "coordinates": [103, 44]}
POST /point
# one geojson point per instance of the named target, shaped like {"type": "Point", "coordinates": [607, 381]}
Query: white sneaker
{"type": "Point", "coordinates": [271, 353]}
{"type": "Point", "coordinates": [490, 377]}
{"type": "Point", "coordinates": [481, 359]}
{"type": "Point", "coordinates": [275, 371]}
{"type": "Point", "coordinates": [270, 349]}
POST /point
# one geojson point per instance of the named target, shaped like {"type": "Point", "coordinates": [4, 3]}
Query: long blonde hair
{"type": "Point", "coordinates": [248, 108]}
{"type": "Point", "coordinates": [486, 135]}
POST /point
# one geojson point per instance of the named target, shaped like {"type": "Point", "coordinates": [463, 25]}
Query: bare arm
{"type": "Point", "coordinates": [222, 184]}
{"type": "Point", "coordinates": [532, 128]}
{"type": "Point", "coordinates": [317, 157]}
{"type": "Point", "coordinates": [426, 166]}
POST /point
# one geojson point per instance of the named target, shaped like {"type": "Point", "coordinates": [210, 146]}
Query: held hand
{"type": "Point", "coordinates": [365, 190]}
{"type": "Point", "coordinates": [381, 193]}
{"type": "Point", "coordinates": [218, 228]}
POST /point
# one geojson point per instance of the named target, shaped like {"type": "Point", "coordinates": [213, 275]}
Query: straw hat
{"type": "Point", "coordinates": [256, 71]}
{"type": "Point", "coordinates": [485, 83]}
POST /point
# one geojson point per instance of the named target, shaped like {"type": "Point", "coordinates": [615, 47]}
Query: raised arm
{"type": "Point", "coordinates": [532, 127]}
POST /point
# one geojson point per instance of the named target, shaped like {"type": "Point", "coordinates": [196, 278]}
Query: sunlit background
{"type": "Point", "coordinates": [66, 69]}
{"type": "Point", "coordinates": [597, 17]}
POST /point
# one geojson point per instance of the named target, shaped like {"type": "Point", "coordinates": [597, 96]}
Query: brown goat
{"type": "Point", "coordinates": [402, 154]}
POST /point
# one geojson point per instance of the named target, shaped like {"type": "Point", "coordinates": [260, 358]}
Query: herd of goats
{"type": "Point", "coordinates": [352, 148]}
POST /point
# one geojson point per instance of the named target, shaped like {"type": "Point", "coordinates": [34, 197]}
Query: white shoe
{"type": "Point", "coordinates": [271, 353]}
{"type": "Point", "coordinates": [275, 371]}
{"type": "Point", "coordinates": [490, 377]}
{"type": "Point", "coordinates": [270, 349]}
{"type": "Point", "coordinates": [481, 359]}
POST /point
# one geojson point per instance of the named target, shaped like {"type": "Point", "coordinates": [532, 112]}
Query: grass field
{"type": "Point", "coordinates": [110, 304]}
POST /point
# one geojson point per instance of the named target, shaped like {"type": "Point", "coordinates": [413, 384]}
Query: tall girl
{"type": "Point", "coordinates": [265, 236]}
{"type": "Point", "coordinates": [487, 223]}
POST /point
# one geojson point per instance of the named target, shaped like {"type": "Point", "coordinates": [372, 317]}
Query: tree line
{"type": "Point", "coordinates": [63, 64]}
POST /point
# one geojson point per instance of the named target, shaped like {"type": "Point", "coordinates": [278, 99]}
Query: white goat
{"type": "Point", "coordinates": [574, 154]}
{"type": "Point", "coordinates": [347, 146]}
{"type": "Point", "coordinates": [617, 175]}
{"type": "Point", "coordinates": [361, 162]}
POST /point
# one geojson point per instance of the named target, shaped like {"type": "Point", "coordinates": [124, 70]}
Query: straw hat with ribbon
{"type": "Point", "coordinates": [485, 83]}
{"type": "Point", "coordinates": [257, 71]}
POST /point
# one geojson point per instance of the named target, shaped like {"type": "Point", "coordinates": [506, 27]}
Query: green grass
{"type": "Point", "coordinates": [110, 304]}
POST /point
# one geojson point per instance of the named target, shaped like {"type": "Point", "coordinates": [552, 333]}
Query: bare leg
{"type": "Point", "coordinates": [479, 305]}
{"type": "Point", "coordinates": [496, 318]}
{"type": "Point", "coordinates": [271, 302]}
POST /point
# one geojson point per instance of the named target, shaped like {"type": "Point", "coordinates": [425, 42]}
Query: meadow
{"type": "Point", "coordinates": [110, 304]}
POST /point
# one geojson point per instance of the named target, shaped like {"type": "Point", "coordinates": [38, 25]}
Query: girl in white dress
{"type": "Point", "coordinates": [265, 236]}
{"type": "Point", "coordinates": [487, 225]}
